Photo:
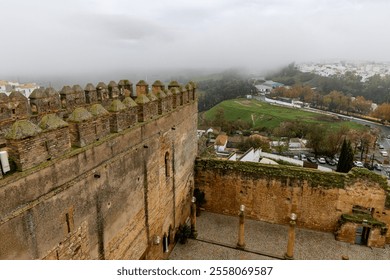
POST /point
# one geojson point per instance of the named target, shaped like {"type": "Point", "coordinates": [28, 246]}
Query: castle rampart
{"type": "Point", "coordinates": [113, 195]}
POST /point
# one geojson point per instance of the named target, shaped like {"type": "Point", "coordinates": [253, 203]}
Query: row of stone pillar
{"type": "Point", "coordinates": [84, 125]}
{"type": "Point", "coordinates": [70, 97]}
{"type": "Point", "coordinates": [241, 230]}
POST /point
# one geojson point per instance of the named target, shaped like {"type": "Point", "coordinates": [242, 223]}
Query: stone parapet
{"type": "Point", "coordinates": [78, 117]}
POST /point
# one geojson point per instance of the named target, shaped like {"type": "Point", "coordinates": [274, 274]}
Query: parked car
{"type": "Point", "coordinates": [387, 172]}
{"type": "Point", "coordinates": [330, 161]}
{"type": "Point", "coordinates": [378, 166]}
{"type": "Point", "coordinates": [303, 157]}
{"type": "Point", "coordinates": [321, 160]}
{"type": "Point", "coordinates": [384, 153]}
{"type": "Point", "coordinates": [312, 159]}
{"type": "Point", "coordinates": [368, 166]}
{"type": "Point", "coordinates": [358, 163]}
{"type": "Point", "coordinates": [381, 146]}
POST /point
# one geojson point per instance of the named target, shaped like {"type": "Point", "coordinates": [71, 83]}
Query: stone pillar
{"type": "Point", "coordinates": [90, 94]}
{"type": "Point", "coordinates": [113, 90]}
{"type": "Point", "coordinates": [157, 86]}
{"type": "Point", "coordinates": [194, 232]}
{"type": "Point", "coordinates": [291, 238]}
{"type": "Point", "coordinates": [125, 88]}
{"type": "Point", "coordinates": [102, 93]}
{"type": "Point", "coordinates": [141, 88]}
{"type": "Point", "coordinates": [241, 231]}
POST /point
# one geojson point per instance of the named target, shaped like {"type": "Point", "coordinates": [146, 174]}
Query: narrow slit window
{"type": "Point", "coordinates": [167, 165]}
{"type": "Point", "coordinates": [67, 222]}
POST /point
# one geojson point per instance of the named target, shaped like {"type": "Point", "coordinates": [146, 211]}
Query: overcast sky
{"type": "Point", "coordinates": [88, 36]}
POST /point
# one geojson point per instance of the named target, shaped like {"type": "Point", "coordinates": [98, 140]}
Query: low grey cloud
{"type": "Point", "coordinates": [49, 37]}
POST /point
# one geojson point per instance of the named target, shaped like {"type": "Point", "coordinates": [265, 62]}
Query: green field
{"type": "Point", "coordinates": [262, 115]}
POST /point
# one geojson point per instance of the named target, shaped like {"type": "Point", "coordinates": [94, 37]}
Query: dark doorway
{"type": "Point", "coordinates": [362, 234]}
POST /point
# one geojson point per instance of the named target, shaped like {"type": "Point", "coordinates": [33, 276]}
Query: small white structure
{"type": "Point", "coordinates": [264, 88]}
{"type": "Point", "coordinates": [252, 155]}
{"type": "Point", "coordinates": [233, 157]}
{"type": "Point", "coordinates": [199, 133]}
{"type": "Point", "coordinates": [220, 143]}
{"type": "Point", "coordinates": [3, 86]}
{"type": "Point", "coordinates": [268, 161]}
{"type": "Point", "coordinates": [4, 162]}
{"type": "Point", "coordinates": [26, 89]}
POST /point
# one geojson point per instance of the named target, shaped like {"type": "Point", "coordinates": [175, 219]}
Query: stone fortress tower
{"type": "Point", "coordinates": [104, 172]}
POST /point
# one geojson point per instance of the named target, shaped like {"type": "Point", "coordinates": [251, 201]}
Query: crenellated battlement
{"type": "Point", "coordinates": [49, 123]}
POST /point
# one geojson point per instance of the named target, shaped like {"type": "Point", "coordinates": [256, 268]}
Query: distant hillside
{"type": "Point", "coordinates": [290, 75]}
{"type": "Point", "coordinates": [219, 87]}
{"type": "Point", "coordinates": [376, 88]}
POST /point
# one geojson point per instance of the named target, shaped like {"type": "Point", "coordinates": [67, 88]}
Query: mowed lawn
{"type": "Point", "coordinates": [263, 115]}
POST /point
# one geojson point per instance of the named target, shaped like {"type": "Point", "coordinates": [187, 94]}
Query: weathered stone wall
{"type": "Point", "coordinates": [118, 121]}
{"type": "Point", "coordinates": [384, 216]}
{"type": "Point", "coordinates": [131, 116]}
{"type": "Point", "coordinates": [74, 247]}
{"type": "Point", "coordinates": [106, 200]}
{"type": "Point", "coordinates": [185, 97]}
{"type": "Point", "coordinates": [28, 152]}
{"type": "Point", "coordinates": [57, 142]}
{"type": "Point", "coordinates": [271, 193]}
{"type": "Point", "coordinates": [82, 133]}
{"type": "Point", "coordinates": [102, 126]}
{"type": "Point", "coordinates": [376, 239]}
{"type": "Point", "coordinates": [347, 233]}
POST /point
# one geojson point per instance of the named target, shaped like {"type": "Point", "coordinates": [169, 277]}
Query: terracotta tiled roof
{"type": "Point", "coordinates": [221, 140]}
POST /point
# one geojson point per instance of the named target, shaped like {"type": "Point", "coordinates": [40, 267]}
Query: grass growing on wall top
{"type": "Point", "coordinates": [315, 178]}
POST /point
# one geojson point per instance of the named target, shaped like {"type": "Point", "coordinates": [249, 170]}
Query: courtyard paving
{"type": "Point", "coordinates": [217, 239]}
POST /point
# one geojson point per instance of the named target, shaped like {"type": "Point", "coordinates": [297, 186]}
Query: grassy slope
{"type": "Point", "coordinates": [261, 114]}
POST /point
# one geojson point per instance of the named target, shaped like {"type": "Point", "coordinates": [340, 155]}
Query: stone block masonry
{"type": "Point", "coordinates": [110, 198]}
{"type": "Point", "coordinates": [272, 193]}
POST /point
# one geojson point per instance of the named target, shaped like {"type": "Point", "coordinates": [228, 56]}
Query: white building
{"type": "Point", "coordinates": [26, 89]}
{"type": "Point", "coordinates": [3, 86]}
{"type": "Point", "coordinates": [220, 143]}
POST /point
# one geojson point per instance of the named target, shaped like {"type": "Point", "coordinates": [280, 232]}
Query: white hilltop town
{"type": "Point", "coordinates": [26, 89]}
{"type": "Point", "coordinates": [363, 69]}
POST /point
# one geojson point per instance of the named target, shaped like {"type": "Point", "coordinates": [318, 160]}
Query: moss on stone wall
{"type": "Point", "coordinates": [80, 115]}
{"type": "Point", "coordinates": [315, 178]}
{"type": "Point", "coordinates": [360, 219]}
{"type": "Point", "coordinates": [363, 173]}
{"type": "Point", "coordinates": [23, 129]}
{"type": "Point", "coordinates": [51, 122]}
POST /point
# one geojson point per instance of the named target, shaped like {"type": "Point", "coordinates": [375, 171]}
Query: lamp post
{"type": "Point", "coordinates": [194, 233]}
{"type": "Point", "coordinates": [291, 237]}
{"type": "Point", "coordinates": [241, 236]}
